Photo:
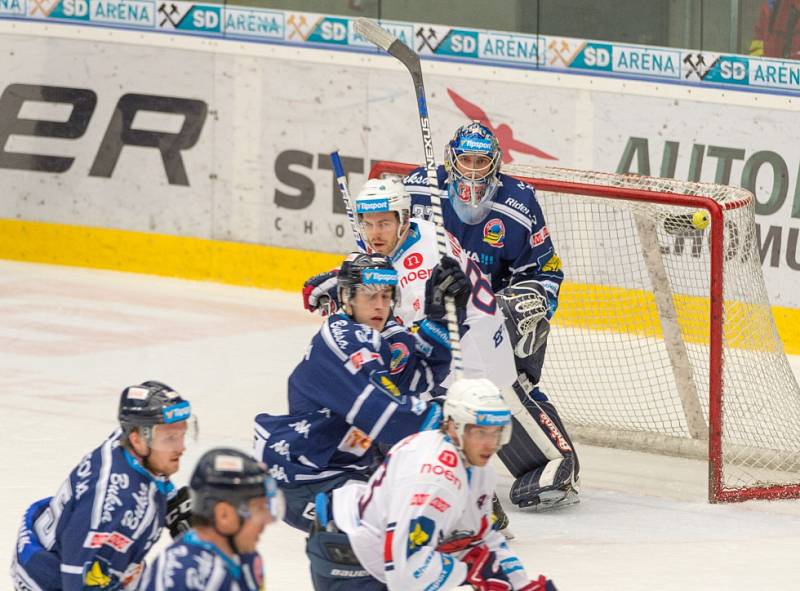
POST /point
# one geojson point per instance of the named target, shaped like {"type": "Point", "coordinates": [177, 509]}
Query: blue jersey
{"type": "Point", "coordinates": [97, 528]}
{"type": "Point", "coordinates": [511, 244]}
{"type": "Point", "coordinates": [353, 387]}
{"type": "Point", "coordinates": [193, 564]}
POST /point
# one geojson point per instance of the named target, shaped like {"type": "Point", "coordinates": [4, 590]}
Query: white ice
{"type": "Point", "coordinates": [71, 339]}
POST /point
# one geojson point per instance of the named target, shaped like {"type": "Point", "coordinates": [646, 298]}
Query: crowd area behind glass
{"type": "Point", "coordinates": [769, 28]}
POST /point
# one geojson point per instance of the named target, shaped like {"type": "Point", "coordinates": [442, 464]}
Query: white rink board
{"type": "Point", "coordinates": [72, 338]}
{"type": "Point", "coordinates": [257, 172]}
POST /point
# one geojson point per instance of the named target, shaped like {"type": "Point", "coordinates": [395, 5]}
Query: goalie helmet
{"type": "Point", "coordinates": [472, 160]}
{"type": "Point", "coordinates": [385, 195]}
{"type": "Point", "coordinates": [477, 402]}
{"type": "Point", "coordinates": [366, 271]}
{"type": "Point", "coordinates": [149, 404]}
{"type": "Point", "coordinates": [229, 475]}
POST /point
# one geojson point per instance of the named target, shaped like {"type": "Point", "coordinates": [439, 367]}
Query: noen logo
{"type": "Point", "coordinates": [504, 133]}
{"type": "Point", "coordinates": [412, 261]}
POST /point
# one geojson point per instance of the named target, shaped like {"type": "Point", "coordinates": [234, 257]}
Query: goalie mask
{"type": "Point", "coordinates": [382, 196]}
{"type": "Point", "coordinates": [472, 161]}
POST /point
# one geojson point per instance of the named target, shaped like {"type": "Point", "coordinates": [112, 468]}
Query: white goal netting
{"type": "Point", "coordinates": [629, 360]}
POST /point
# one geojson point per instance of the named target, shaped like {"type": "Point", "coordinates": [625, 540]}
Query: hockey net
{"type": "Point", "coordinates": [664, 339]}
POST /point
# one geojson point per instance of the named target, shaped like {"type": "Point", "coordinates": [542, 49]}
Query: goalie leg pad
{"type": "Point", "coordinates": [536, 439]}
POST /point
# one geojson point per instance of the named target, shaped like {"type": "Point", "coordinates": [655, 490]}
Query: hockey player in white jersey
{"type": "Point", "coordinates": [422, 521]}
{"type": "Point", "coordinates": [232, 500]}
{"type": "Point", "coordinates": [383, 208]}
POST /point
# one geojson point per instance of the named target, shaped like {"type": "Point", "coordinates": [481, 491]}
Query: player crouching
{"type": "Point", "coordinates": [423, 520]}
{"type": "Point", "coordinates": [360, 383]}
{"type": "Point", "coordinates": [94, 533]}
{"type": "Point", "coordinates": [233, 499]}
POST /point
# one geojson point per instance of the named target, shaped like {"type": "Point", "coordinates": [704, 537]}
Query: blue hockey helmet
{"type": "Point", "coordinates": [149, 404]}
{"type": "Point", "coordinates": [366, 271]}
{"type": "Point", "coordinates": [231, 476]}
{"type": "Point", "coordinates": [472, 160]}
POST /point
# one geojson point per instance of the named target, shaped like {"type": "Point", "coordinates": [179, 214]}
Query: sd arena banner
{"type": "Point", "coordinates": [212, 141]}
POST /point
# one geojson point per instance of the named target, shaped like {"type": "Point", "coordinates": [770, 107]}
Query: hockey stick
{"type": "Point", "coordinates": [341, 181]}
{"type": "Point", "coordinates": [396, 48]}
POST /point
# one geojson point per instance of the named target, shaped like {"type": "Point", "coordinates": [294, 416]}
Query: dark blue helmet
{"type": "Point", "coordinates": [366, 270]}
{"type": "Point", "coordinates": [151, 403]}
{"type": "Point", "coordinates": [472, 185]}
{"type": "Point", "coordinates": [229, 475]}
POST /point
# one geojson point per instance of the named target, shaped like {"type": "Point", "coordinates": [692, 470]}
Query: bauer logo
{"type": "Point", "coordinates": [379, 277]}
{"type": "Point", "coordinates": [372, 205]}
{"type": "Point", "coordinates": [492, 418]}
{"type": "Point", "coordinates": [177, 412]}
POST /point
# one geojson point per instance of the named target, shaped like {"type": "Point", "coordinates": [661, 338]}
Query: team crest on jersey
{"type": "Point", "coordinates": [494, 233]}
{"type": "Point", "coordinates": [420, 531]}
{"type": "Point", "coordinates": [400, 355]}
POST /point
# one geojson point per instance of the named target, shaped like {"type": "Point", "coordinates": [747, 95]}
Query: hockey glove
{"type": "Point", "coordinates": [540, 584]}
{"type": "Point", "coordinates": [524, 306]}
{"type": "Point", "coordinates": [319, 293]}
{"type": "Point", "coordinates": [179, 512]}
{"type": "Point", "coordinates": [447, 279]}
{"type": "Point", "coordinates": [484, 573]}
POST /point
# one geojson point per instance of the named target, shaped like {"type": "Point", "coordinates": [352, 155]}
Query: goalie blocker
{"type": "Point", "coordinates": [540, 455]}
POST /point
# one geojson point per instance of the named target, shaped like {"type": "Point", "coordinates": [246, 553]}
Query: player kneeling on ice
{"type": "Point", "coordinates": [94, 533]}
{"type": "Point", "coordinates": [383, 212]}
{"type": "Point", "coordinates": [359, 383]}
{"type": "Point", "coordinates": [232, 500]}
{"type": "Point", "coordinates": [423, 521]}
{"type": "Point", "coordinates": [499, 222]}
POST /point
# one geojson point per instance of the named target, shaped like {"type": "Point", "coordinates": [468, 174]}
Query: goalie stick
{"type": "Point", "coordinates": [341, 182]}
{"type": "Point", "coordinates": [397, 49]}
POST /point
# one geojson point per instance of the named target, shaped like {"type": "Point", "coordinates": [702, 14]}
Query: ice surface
{"type": "Point", "coordinates": [71, 339]}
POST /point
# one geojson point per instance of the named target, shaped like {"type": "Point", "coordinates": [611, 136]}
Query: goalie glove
{"type": "Point", "coordinates": [320, 293]}
{"type": "Point", "coordinates": [446, 280]}
{"type": "Point", "coordinates": [179, 512]}
{"type": "Point", "coordinates": [524, 306]}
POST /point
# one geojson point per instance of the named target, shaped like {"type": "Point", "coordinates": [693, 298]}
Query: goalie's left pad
{"type": "Point", "coordinates": [525, 306]}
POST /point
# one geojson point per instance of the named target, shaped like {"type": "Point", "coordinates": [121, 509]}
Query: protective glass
{"type": "Point", "coordinates": [173, 437]}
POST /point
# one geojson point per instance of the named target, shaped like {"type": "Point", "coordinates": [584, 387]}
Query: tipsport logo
{"type": "Point", "coordinates": [372, 205]}
{"type": "Point", "coordinates": [379, 277]}
{"type": "Point", "coordinates": [177, 412]}
{"type": "Point", "coordinates": [492, 418]}
{"type": "Point", "coordinates": [475, 144]}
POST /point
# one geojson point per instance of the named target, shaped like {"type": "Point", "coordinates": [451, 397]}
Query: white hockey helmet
{"type": "Point", "coordinates": [386, 194]}
{"type": "Point", "coordinates": [477, 402]}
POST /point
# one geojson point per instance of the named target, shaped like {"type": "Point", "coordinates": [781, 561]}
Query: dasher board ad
{"type": "Point", "coordinates": [210, 144]}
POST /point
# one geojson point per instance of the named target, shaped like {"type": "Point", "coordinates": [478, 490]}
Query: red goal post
{"type": "Point", "coordinates": [664, 340]}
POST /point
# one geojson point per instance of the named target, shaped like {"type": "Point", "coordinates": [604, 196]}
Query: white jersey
{"type": "Point", "coordinates": [486, 347]}
{"type": "Point", "coordinates": [419, 498]}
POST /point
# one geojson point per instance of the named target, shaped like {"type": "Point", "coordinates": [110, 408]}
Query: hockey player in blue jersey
{"type": "Point", "coordinates": [499, 223]}
{"type": "Point", "coordinates": [94, 533]}
{"type": "Point", "coordinates": [232, 500]}
{"type": "Point", "coordinates": [360, 382]}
